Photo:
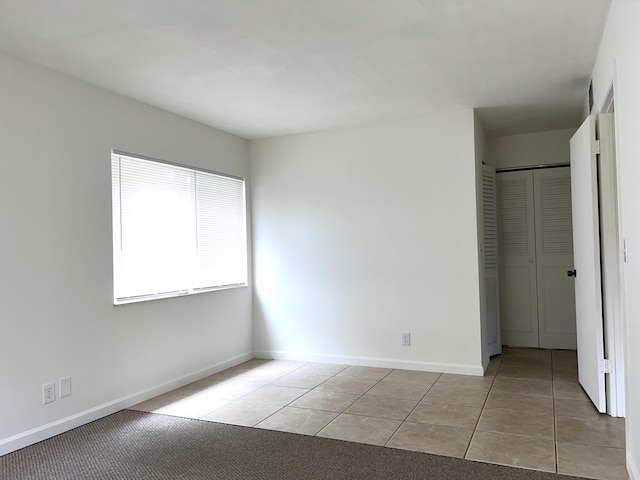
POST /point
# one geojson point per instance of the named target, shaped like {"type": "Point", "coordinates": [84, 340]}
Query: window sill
{"type": "Point", "coordinates": [186, 293]}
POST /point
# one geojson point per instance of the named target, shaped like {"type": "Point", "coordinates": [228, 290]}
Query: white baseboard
{"type": "Point", "coordinates": [632, 467]}
{"type": "Point", "coordinates": [477, 370]}
{"type": "Point", "coordinates": [24, 439]}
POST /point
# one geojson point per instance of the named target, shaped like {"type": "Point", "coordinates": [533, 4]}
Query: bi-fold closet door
{"type": "Point", "coordinates": [537, 303]}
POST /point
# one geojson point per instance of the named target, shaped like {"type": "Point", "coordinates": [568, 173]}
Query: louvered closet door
{"type": "Point", "coordinates": [517, 255]}
{"type": "Point", "coordinates": [554, 255]}
{"type": "Point", "coordinates": [490, 250]}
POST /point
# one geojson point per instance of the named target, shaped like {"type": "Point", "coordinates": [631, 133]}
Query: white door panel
{"type": "Point", "coordinates": [586, 244]}
{"type": "Point", "coordinates": [490, 252]}
{"type": "Point", "coordinates": [557, 307]}
{"type": "Point", "coordinates": [554, 256]}
{"type": "Point", "coordinates": [516, 227]}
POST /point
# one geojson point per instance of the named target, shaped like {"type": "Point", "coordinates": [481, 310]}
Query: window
{"type": "Point", "coordinates": [176, 230]}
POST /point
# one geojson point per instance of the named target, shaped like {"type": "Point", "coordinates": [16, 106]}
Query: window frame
{"type": "Point", "coordinates": [192, 289]}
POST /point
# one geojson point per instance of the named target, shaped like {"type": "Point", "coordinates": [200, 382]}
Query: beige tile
{"type": "Point", "coordinates": [159, 402]}
{"type": "Point", "coordinates": [242, 413]}
{"type": "Point", "coordinates": [451, 393]}
{"type": "Point", "coordinates": [321, 369]}
{"type": "Point", "coordinates": [514, 450]}
{"type": "Point", "coordinates": [383, 407]}
{"type": "Point", "coordinates": [569, 390]}
{"type": "Point", "coordinates": [258, 376]}
{"type": "Point", "coordinates": [519, 385]}
{"type": "Point", "coordinates": [460, 416]}
{"type": "Point", "coordinates": [283, 366]}
{"type": "Point", "coordinates": [357, 428]}
{"type": "Point", "coordinates": [565, 363]}
{"type": "Point", "coordinates": [228, 374]}
{"type": "Point", "coordinates": [591, 461]}
{"type": "Point", "coordinates": [260, 370]}
{"type": "Point", "coordinates": [516, 423]}
{"type": "Point", "coordinates": [564, 355]}
{"type": "Point", "coordinates": [466, 381]}
{"type": "Point", "coordinates": [566, 407]}
{"type": "Point", "coordinates": [328, 401]}
{"type": "Point", "coordinates": [528, 353]}
{"type": "Point", "coordinates": [516, 402]}
{"type": "Point", "coordinates": [423, 378]}
{"type": "Point", "coordinates": [494, 365]}
{"type": "Point", "coordinates": [198, 386]}
{"type": "Point", "coordinates": [366, 372]}
{"type": "Point", "coordinates": [605, 431]}
{"type": "Point", "coordinates": [491, 371]}
{"type": "Point", "coordinates": [525, 372]}
{"type": "Point", "coordinates": [238, 369]}
{"type": "Point", "coordinates": [298, 420]}
{"type": "Point", "coordinates": [249, 364]}
{"type": "Point", "coordinates": [229, 389]}
{"type": "Point", "coordinates": [347, 384]}
{"type": "Point", "coordinates": [569, 364]}
{"type": "Point", "coordinates": [435, 439]}
{"type": "Point", "coordinates": [273, 369]}
{"type": "Point", "coordinates": [190, 406]}
{"type": "Point", "coordinates": [566, 376]}
{"type": "Point", "coordinates": [390, 387]}
{"type": "Point", "coordinates": [301, 380]}
{"type": "Point", "coordinates": [527, 362]}
{"type": "Point", "coordinates": [275, 395]}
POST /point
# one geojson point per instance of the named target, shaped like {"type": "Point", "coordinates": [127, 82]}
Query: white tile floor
{"type": "Point", "coordinates": [527, 411]}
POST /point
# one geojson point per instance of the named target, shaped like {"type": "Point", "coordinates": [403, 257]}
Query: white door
{"type": "Point", "coordinates": [586, 246]}
{"type": "Point", "coordinates": [516, 227]}
{"type": "Point", "coordinates": [492, 288]}
{"type": "Point", "coordinates": [554, 256]}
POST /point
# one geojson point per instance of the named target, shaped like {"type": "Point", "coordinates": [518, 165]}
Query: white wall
{"type": "Point", "coordinates": [362, 233]}
{"type": "Point", "coordinates": [618, 63]}
{"type": "Point", "coordinates": [56, 312]}
{"type": "Point", "coordinates": [541, 148]}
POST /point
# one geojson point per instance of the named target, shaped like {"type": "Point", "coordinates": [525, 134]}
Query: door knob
{"type": "Point", "coordinates": [571, 273]}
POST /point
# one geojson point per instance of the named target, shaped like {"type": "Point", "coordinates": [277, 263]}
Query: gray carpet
{"type": "Point", "coordinates": [138, 445]}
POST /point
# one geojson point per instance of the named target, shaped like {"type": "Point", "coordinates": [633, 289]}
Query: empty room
{"type": "Point", "coordinates": [355, 239]}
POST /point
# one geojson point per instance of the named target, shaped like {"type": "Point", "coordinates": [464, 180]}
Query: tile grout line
{"type": "Point", "coordinates": [266, 384]}
{"type": "Point", "coordinates": [484, 404]}
{"type": "Point", "coordinates": [402, 422]}
{"type": "Point", "coordinates": [352, 403]}
{"type": "Point", "coordinates": [314, 388]}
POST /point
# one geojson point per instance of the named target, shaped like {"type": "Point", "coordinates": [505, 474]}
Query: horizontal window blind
{"type": "Point", "coordinates": [176, 230]}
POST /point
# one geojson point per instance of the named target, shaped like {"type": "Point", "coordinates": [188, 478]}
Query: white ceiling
{"type": "Point", "coordinates": [260, 68]}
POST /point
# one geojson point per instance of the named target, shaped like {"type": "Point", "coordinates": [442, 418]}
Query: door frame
{"type": "Point", "coordinates": [613, 260]}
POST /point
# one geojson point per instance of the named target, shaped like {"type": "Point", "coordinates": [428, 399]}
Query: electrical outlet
{"type": "Point", "coordinates": [48, 393]}
{"type": "Point", "coordinates": [406, 339]}
{"type": "Point", "coordinates": [65, 387]}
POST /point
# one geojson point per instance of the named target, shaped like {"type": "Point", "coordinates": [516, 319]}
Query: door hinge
{"type": "Point", "coordinates": [607, 366]}
{"type": "Point", "coordinates": [597, 146]}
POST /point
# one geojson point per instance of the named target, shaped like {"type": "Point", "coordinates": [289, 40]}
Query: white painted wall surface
{"type": "Point", "coordinates": [618, 63]}
{"type": "Point", "coordinates": [541, 148]}
{"type": "Point", "coordinates": [56, 312]}
{"type": "Point", "coordinates": [362, 233]}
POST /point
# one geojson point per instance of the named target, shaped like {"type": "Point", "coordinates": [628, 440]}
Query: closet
{"type": "Point", "coordinates": [535, 240]}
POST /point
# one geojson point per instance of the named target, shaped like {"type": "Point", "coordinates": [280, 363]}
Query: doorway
{"type": "Point", "coordinates": [536, 251]}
